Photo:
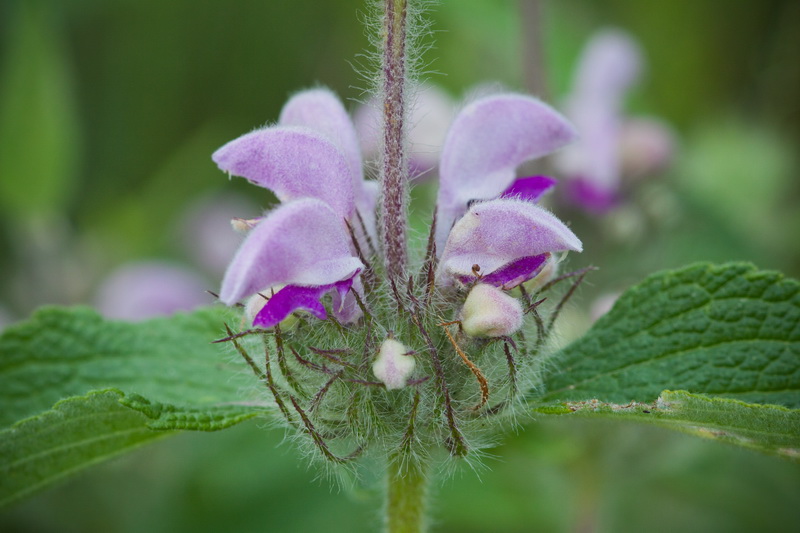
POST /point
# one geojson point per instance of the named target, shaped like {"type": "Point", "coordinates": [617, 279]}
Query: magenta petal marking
{"type": "Point", "coordinates": [588, 195]}
{"type": "Point", "coordinates": [530, 189]}
{"type": "Point", "coordinates": [294, 297]}
{"type": "Point", "coordinates": [510, 275]}
{"type": "Point", "coordinates": [288, 300]}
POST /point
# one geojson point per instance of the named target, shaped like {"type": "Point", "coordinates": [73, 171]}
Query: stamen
{"type": "Point", "coordinates": [329, 354]}
{"type": "Point", "coordinates": [372, 250]}
{"type": "Point", "coordinates": [533, 306]}
{"type": "Point", "coordinates": [512, 370]}
{"type": "Point", "coordinates": [265, 377]}
{"type": "Point", "coordinates": [581, 272]}
{"type": "Point", "coordinates": [310, 364]}
{"type": "Point", "coordinates": [241, 334]}
{"type": "Point", "coordinates": [408, 437]}
{"type": "Point", "coordinates": [398, 300]}
{"type": "Point", "coordinates": [368, 274]}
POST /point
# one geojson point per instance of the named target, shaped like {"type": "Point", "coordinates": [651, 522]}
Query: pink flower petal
{"type": "Point", "coordinates": [294, 163]}
{"type": "Point", "coordinates": [487, 141]}
{"type": "Point", "coordinates": [496, 233]}
{"type": "Point", "coordinates": [299, 243]}
{"type": "Point", "coordinates": [320, 110]}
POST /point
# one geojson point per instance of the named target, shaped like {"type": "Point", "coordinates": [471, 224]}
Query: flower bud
{"type": "Point", "coordinates": [490, 312]}
{"type": "Point", "coordinates": [393, 366]}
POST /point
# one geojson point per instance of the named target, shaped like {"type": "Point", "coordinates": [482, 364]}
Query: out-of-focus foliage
{"type": "Point", "coordinates": [109, 111]}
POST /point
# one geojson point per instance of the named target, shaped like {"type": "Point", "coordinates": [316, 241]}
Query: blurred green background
{"type": "Point", "coordinates": [110, 109]}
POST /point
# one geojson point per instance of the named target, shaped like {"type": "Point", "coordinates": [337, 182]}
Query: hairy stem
{"type": "Point", "coordinates": [394, 171]}
{"type": "Point", "coordinates": [405, 505]}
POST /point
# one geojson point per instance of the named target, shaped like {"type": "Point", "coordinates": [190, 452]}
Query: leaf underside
{"type": "Point", "coordinates": [770, 429]}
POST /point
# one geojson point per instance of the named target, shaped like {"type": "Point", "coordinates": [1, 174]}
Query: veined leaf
{"type": "Point", "coordinates": [115, 386]}
{"type": "Point", "coordinates": [76, 433]}
{"type": "Point", "coordinates": [770, 429]}
{"type": "Point", "coordinates": [730, 331]}
{"type": "Point", "coordinates": [61, 353]}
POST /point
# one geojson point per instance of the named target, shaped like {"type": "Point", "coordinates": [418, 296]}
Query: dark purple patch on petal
{"type": "Point", "coordinates": [584, 193]}
{"type": "Point", "coordinates": [530, 189]}
{"type": "Point", "coordinates": [294, 297]}
{"type": "Point", "coordinates": [512, 274]}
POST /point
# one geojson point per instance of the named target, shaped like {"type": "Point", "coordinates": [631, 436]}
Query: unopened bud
{"type": "Point", "coordinates": [394, 364]}
{"type": "Point", "coordinates": [490, 312]}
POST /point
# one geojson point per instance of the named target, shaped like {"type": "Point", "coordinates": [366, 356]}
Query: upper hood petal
{"type": "Point", "coordinates": [320, 110]}
{"type": "Point", "coordinates": [294, 163]}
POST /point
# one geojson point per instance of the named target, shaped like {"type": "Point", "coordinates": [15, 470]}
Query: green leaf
{"type": "Point", "coordinates": [148, 378]}
{"type": "Point", "coordinates": [76, 433]}
{"type": "Point", "coordinates": [770, 429]}
{"type": "Point", "coordinates": [729, 331]}
{"type": "Point", "coordinates": [61, 352]}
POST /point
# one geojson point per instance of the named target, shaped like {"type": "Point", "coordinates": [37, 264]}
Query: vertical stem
{"type": "Point", "coordinates": [405, 505]}
{"type": "Point", "coordinates": [394, 171]}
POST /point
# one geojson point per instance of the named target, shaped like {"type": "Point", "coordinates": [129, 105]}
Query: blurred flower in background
{"type": "Point", "coordinates": [141, 290]}
{"type": "Point", "coordinates": [611, 147]}
{"type": "Point", "coordinates": [432, 111]}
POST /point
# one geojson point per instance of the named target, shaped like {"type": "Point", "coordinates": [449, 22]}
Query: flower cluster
{"type": "Point", "coordinates": [404, 364]}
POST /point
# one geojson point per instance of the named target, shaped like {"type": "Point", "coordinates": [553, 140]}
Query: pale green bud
{"type": "Point", "coordinates": [490, 312]}
{"type": "Point", "coordinates": [394, 364]}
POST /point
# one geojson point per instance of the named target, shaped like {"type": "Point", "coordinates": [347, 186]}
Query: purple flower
{"type": "Point", "coordinates": [312, 153]}
{"type": "Point", "coordinates": [302, 247]}
{"type": "Point", "coordinates": [608, 150]}
{"type": "Point", "coordinates": [486, 143]}
{"type": "Point", "coordinates": [503, 243]}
